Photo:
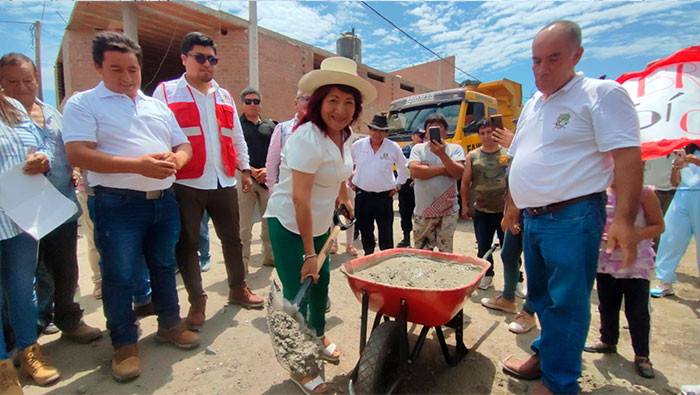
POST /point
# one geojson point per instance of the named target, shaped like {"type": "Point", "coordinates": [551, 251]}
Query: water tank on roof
{"type": "Point", "coordinates": [350, 46]}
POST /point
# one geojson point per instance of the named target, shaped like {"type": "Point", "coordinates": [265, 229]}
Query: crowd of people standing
{"type": "Point", "coordinates": [153, 170]}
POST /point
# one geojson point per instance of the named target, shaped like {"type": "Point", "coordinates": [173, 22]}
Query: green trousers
{"type": "Point", "coordinates": [288, 249]}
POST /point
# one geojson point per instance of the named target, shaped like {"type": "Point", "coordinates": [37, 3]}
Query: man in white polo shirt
{"type": "Point", "coordinates": [575, 137]}
{"type": "Point", "coordinates": [207, 114]}
{"type": "Point", "coordinates": [132, 147]}
{"type": "Point", "coordinates": [375, 184]}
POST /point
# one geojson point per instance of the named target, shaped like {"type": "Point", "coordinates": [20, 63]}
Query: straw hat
{"type": "Point", "coordinates": [341, 71]}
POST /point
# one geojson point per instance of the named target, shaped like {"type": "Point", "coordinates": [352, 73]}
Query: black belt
{"type": "Point", "coordinates": [358, 190]}
{"type": "Point", "coordinates": [148, 195]}
{"type": "Point", "coordinates": [554, 207]}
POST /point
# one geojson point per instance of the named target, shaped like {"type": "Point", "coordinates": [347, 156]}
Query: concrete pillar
{"type": "Point", "coordinates": [130, 20]}
{"type": "Point", "coordinates": [253, 44]}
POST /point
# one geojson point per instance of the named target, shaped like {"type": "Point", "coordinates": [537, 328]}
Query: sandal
{"type": "Point", "coordinates": [644, 367]}
{"type": "Point", "coordinates": [314, 386]}
{"type": "Point", "coordinates": [600, 348]}
{"type": "Point", "coordinates": [334, 247]}
{"type": "Point", "coordinates": [350, 249]}
{"type": "Point", "coordinates": [330, 353]}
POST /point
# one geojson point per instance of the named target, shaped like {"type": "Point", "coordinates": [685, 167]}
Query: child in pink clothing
{"type": "Point", "coordinates": [613, 282]}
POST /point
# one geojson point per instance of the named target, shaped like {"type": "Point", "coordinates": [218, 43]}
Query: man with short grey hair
{"type": "Point", "coordinates": [575, 137]}
{"type": "Point", "coordinates": [257, 132]}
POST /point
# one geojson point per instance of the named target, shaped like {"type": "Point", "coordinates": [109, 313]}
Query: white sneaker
{"type": "Point", "coordinates": [690, 389]}
{"type": "Point", "coordinates": [523, 323]}
{"type": "Point", "coordinates": [486, 282]}
{"type": "Point", "coordinates": [520, 290]}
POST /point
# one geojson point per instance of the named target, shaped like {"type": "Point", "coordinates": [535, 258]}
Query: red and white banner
{"type": "Point", "coordinates": [667, 96]}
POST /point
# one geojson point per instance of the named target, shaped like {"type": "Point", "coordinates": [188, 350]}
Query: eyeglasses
{"type": "Point", "coordinates": [199, 58]}
{"type": "Point", "coordinates": [304, 98]}
{"type": "Point", "coordinates": [249, 101]}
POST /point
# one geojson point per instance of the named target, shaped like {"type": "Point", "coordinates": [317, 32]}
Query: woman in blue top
{"type": "Point", "coordinates": [20, 142]}
{"type": "Point", "coordinates": [682, 221]}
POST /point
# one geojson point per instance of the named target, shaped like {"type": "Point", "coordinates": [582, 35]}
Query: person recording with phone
{"type": "Point", "coordinates": [436, 166]}
{"type": "Point", "coordinates": [682, 219]}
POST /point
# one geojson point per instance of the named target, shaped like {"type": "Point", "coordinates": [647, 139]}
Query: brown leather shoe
{"type": "Point", "coordinates": [196, 316]}
{"type": "Point", "coordinates": [126, 364]}
{"type": "Point", "coordinates": [179, 336]}
{"type": "Point", "coordinates": [35, 364]}
{"type": "Point", "coordinates": [83, 334]}
{"type": "Point", "coordinates": [9, 382]}
{"type": "Point", "coordinates": [246, 298]}
{"type": "Point", "coordinates": [528, 369]}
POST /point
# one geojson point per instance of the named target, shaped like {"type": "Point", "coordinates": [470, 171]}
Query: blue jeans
{"type": "Point", "coordinates": [18, 257]}
{"type": "Point", "coordinates": [142, 282]}
{"type": "Point", "coordinates": [204, 256]}
{"type": "Point", "coordinates": [561, 259]}
{"type": "Point", "coordinates": [44, 289]}
{"type": "Point", "coordinates": [129, 229]}
{"type": "Point", "coordinates": [486, 225]}
{"type": "Point", "coordinates": [510, 256]}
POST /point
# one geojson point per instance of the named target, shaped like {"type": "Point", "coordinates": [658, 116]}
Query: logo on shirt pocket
{"type": "Point", "coordinates": [562, 121]}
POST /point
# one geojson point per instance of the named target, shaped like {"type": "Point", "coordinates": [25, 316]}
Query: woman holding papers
{"type": "Point", "coordinates": [20, 142]}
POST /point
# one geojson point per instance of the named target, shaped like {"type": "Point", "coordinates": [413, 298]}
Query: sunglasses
{"type": "Point", "coordinates": [199, 58]}
{"type": "Point", "coordinates": [304, 98]}
{"type": "Point", "coordinates": [249, 101]}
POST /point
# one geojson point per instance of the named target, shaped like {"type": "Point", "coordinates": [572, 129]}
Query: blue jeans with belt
{"type": "Point", "coordinates": [561, 259]}
{"type": "Point", "coordinates": [142, 287]}
{"type": "Point", "coordinates": [129, 229]}
{"type": "Point", "coordinates": [18, 259]}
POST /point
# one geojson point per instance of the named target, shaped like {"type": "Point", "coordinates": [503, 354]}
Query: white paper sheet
{"type": "Point", "coordinates": [33, 203]}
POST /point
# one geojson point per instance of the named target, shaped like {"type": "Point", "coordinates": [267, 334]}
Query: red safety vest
{"type": "Point", "coordinates": [181, 102]}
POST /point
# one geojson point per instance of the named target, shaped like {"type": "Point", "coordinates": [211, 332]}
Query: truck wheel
{"type": "Point", "coordinates": [378, 367]}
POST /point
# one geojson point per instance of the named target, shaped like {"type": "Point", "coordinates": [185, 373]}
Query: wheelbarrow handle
{"type": "Point", "coordinates": [490, 251]}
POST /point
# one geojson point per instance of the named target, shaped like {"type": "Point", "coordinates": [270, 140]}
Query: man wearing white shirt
{"type": "Point", "coordinates": [132, 147]}
{"type": "Point", "coordinates": [375, 184]}
{"type": "Point", "coordinates": [207, 114]}
{"type": "Point", "coordinates": [575, 137]}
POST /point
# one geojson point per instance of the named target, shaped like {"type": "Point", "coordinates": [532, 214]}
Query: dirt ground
{"type": "Point", "coordinates": [236, 355]}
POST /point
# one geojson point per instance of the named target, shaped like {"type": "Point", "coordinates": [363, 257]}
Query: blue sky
{"type": "Point", "coordinates": [491, 40]}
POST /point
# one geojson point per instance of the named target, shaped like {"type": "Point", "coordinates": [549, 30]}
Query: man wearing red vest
{"type": "Point", "coordinates": [207, 115]}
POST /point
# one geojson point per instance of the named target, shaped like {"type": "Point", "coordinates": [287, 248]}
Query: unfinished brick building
{"type": "Point", "coordinates": [160, 26]}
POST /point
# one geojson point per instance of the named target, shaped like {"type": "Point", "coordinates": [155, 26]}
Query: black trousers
{"type": "Point", "coordinates": [485, 226]}
{"type": "Point", "coordinates": [407, 203]}
{"type": "Point", "coordinates": [636, 293]}
{"type": "Point", "coordinates": [222, 206]}
{"type": "Point", "coordinates": [58, 252]}
{"type": "Point", "coordinates": [371, 207]}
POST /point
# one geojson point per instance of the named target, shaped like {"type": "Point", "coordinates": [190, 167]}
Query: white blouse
{"type": "Point", "coordinates": [309, 150]}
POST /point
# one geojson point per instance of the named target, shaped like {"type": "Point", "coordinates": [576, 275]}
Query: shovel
{"type": "Point", "coordinates": [292, 307]}
{"type": "Point", "coordinates": [292, 340]}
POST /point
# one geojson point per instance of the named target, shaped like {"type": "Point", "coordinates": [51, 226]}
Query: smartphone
{"type": "Point", "coordinates": [497, 121]}
{"type": "Point", "coordinates": [435, 133]}
{"type": "Point", "coordinates": [679, 155]}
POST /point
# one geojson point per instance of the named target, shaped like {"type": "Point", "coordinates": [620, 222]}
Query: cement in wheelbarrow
{"type": "Point", "coordinates": [426, 306]}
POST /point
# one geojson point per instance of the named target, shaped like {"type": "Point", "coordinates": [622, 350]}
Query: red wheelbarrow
{"type": "Point", "coordinates": [386, 356]}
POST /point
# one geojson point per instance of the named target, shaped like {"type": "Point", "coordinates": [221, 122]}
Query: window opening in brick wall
{"type": "Point", "coordinates": [375, 77]}
{"type": "Point", "coordinates": [407, 88]}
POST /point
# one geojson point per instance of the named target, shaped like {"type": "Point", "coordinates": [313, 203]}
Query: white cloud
{"type": "Point", "coordinates": [380, 32]}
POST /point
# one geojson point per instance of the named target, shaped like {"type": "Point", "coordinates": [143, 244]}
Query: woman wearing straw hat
{"type": "Point", "coordinates": [315, 163]}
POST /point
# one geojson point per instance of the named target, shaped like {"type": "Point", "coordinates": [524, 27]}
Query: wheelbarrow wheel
{"type": "Point", "coordinates": [378, 367]}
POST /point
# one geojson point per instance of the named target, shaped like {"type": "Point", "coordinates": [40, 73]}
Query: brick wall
{"type": "Point", "coordinates": [281, 62]}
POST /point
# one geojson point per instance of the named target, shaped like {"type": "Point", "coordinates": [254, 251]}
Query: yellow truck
{"type": "Point", "coordinates": [462, 107]}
